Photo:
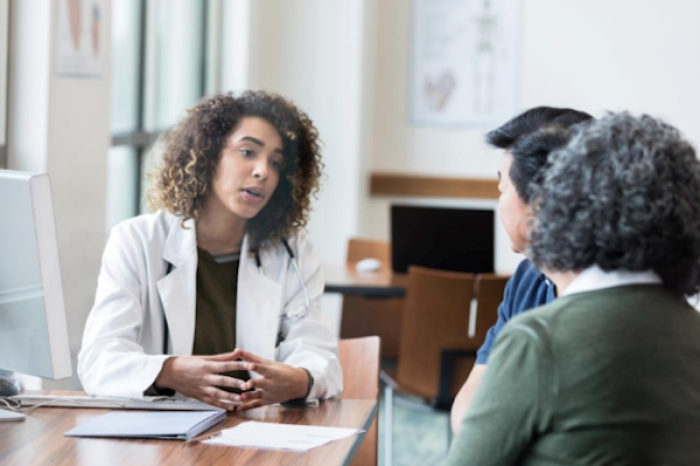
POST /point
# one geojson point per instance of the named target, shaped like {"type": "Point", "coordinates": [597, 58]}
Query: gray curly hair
{"type": "Point", "coordinates": [624, 194]}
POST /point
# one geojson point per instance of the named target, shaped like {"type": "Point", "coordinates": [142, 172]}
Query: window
{"type": "Point", "coordinates": [162, 64]}
{"type": "Point", "coordinates": [4, 53]}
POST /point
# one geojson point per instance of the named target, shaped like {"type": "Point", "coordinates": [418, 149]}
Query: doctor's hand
{"type": "Point", "coordinates": [201, 376]}
{"type": "Point", "coordinates": [279, 382]}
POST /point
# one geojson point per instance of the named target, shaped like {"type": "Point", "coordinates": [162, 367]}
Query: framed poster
{"type": "Point", "coordinates": [464, 61]}
{"type": "Point", "coordinates": [79, 37]}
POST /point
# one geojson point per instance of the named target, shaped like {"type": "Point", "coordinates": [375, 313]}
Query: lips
{"type": "Point", "coordinates": [253, 193]}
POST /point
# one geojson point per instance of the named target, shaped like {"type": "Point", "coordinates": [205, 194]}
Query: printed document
{"type": "Point", "coordinates": [279, 436]}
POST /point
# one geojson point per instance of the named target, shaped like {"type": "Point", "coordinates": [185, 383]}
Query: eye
{"type": "Point", "coordinates": [247, 153]}
{"type": "Point", "coordinates": [277, 164]}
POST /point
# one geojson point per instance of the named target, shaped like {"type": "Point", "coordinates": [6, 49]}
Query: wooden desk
{"type": "Point", "coordinates": [39, 439]}
{"type": "Point", "coordinates": [345, 280]}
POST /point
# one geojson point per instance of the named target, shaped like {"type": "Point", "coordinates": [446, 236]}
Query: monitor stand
{"type": "Point", "coordinates": [8, 387]}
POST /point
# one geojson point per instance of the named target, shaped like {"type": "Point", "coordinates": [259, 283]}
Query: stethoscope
{"type": "Point", "coordinates": [300, 314]}
{"type": "Point", "coordinates": [307, 304]}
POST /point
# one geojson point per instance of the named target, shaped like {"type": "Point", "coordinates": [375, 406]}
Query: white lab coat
{"type": "Point", "coordinates": [122, 352]}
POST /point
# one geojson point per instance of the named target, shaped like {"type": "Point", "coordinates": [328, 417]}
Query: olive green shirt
{"type": "Point", "coordinates": [605, 377]}
{"type": "Point", "coordinates": [217, 290]}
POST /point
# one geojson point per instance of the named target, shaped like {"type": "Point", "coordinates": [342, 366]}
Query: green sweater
{"type": "Point", "coordinates": [606, 377]}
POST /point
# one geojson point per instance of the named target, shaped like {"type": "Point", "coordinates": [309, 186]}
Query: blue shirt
{"type": "Point", "coordinates": [527, 289]}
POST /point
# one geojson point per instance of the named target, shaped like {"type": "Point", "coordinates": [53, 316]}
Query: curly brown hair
{"type": "Point", "coordinates": [193, 149]}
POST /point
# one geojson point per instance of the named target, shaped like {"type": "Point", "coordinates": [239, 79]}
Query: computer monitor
{"type": "Point", "coordinates": [33, 329]}
{"type": "Point", "coordinates": [458, 240]}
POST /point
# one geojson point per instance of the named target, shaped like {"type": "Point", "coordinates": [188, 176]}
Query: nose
{"type": "Point", "coordinates": [260, 169]}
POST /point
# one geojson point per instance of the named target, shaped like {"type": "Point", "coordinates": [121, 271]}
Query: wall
{"type": "Point", "coordinates": [60, 126]}
{"type": "Point", "coordinates": [346, 64]}
{"type": "Point", "coordinates": [320, 55]}
{"type": "Point", "coordinates": [399, 147]}
{"type": "Point", "coordinates": [313, 52]}
{"type": "Point", "coordinates": [614, 55]}
{"type": "Point", "coordinates": [594, 55]}
{"type": "Point", "coordinates": [4, 39]}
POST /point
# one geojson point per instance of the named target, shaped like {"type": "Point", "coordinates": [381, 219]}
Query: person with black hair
{"type": "Point", "coordinates": [609, 373]}
{"type": "Point", "coordinates": [527, 141]}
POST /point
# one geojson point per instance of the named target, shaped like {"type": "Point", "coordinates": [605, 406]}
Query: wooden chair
{"type": "Point", "coordinates": [359, 360]}
{"type": "Point", "coordinates": [489, 295]}
{"type": "Point", "coordinates": [436, 316]}
{"type": "Point", "coordinates": [359, 249]}
{"type": "Point", "coordinates": [456, 362]}
{"type": "Point", "coordinates": [364, 316]}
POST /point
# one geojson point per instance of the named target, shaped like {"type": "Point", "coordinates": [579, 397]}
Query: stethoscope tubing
{"type": "Point", "coordinates": [284, 316]}
{"type": "Point", "coordinates": [295, 266]}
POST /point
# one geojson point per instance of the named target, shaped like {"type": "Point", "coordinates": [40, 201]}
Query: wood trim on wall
{"type": "Point", "coordinates": [395, 184]}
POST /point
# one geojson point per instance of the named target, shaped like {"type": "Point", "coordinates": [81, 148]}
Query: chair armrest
{"type": "Point", "coordinates": [447, 358]}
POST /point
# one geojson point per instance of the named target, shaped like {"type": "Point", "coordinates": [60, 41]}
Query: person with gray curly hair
{"type": "Point", "coordinates": [609, 373]}
{"type": "Point", "coordinates": [636, 211]}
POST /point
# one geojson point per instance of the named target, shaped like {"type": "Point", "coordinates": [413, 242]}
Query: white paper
{"type": "Point", "coordinates": [279, 436]}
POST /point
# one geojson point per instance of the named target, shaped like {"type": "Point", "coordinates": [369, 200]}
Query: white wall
{"type": "Point", "coordinates": [594, 55]}
{"type": "Point", "coordinates": [399, 147]}
{"type": "Point", "coordinates": [60, 125]}
{"type": "Point", "coordinates": [235, 46]}
{"type": "Point", "coordinates": [346, 64]}
{"type": "Point", "coordinates": [320, 55]}
{"type": "Point", "coordinates": [4, 22]}
{"type": "Point", "coordinates": [599, 55]}
{"type": "Point", "coordinates": [312, 51]}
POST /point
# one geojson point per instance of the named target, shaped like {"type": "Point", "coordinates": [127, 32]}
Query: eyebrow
{"type": "Point", "coordinates": [258, 142]}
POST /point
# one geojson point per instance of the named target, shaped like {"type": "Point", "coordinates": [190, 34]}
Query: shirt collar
{"type": "Point", "coordinates": [595, 278]}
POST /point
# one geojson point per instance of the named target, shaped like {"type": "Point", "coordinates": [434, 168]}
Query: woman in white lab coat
{"type": "Point", "coordinates": [204, 296]}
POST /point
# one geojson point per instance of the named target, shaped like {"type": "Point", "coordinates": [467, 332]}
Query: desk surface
{"type": "Point", "coordinates": [39, 439]}
{"type": "Point", "coordinates": [346, 280]}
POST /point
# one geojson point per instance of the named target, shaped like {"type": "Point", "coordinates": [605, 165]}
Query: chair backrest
{"type": "Point", "coordinates": [489, 295]}
{"type": "Point", "coordinates": [359, 249]}
{"type": "Point", "coordinates": [362, 316]}
{"type": "Point", "coordinates": [359, 360]}
{"type": "Point", "coordinates": [436, 316]}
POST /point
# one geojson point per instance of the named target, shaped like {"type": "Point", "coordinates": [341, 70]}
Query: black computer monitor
{"type": "Point", "coordinates": [459, 240]}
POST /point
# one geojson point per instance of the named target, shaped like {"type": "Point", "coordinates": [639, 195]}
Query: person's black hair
{"type": "Point", "coordinates": [530, 121]}
{"type": "Point", "coordinates": [530, 153]}
{"type": "Point", "coordinates": [530, 137]}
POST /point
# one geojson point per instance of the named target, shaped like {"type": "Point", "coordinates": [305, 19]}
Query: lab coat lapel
{"type": "Point", "coordinates": [259, 304]}
{"type": "Point", "coordinates": [178, 289]}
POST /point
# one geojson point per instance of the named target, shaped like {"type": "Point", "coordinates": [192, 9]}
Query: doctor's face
{"type": "Point", "coordinates": [248, 170]}
{"type": "Point", "coordinates": [514, 214]}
